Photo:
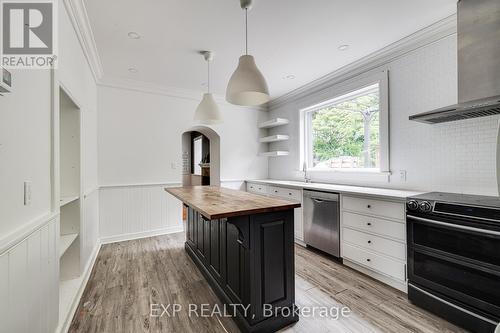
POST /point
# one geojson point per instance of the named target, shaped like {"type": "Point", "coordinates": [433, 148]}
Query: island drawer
{"type": "Point", "coordinates": [375, 243]}
{"type": "Point", "coordinates": [379, 263]}
{"type": "Point", "coordinates": [375, 225]}
{"type": "Point", "coordinates": [382, 208]}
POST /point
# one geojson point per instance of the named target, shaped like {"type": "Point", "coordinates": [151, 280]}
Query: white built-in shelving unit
{"type": "Point", "coordinates": [69, 203]}
{"type": "Point", "coordinates": [273, 138]}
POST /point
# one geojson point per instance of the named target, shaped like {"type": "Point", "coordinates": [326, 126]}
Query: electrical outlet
{"type": "Point", "coordinates": [27, 193]}
{"type": "Point", "coordinates": [402, 175]}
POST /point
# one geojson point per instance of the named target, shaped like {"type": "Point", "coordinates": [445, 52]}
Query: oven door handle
{"type": "Point", "coordinates": [455, 226]}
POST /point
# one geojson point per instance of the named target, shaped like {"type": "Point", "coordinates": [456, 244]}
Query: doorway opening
{"type": "Point", "coordinates": [200, 156]}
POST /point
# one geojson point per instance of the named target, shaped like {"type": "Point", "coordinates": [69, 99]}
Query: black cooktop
{"type": "Point", "coordinates": [461, 199]}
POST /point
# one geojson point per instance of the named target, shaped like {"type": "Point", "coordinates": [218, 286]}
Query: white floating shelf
{"type": "Point", "coordinates": [274, 138]}
{"type": "Point", "coordinates": [273, 123]}
{"type": "Point", "coordinates": [67, 200]}
{"type": "Point", "coordinates": [275, 153]}
{"type": "Point", "coordinates": [65, 242]}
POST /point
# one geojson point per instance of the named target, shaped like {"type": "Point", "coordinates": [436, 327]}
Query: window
{"type": "Point", "coordinates": [349, 132]}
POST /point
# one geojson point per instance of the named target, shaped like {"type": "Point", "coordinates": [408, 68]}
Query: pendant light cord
{"type": "Point", "coordinates": [246, 31]}
{"type": "Point", "coordinates": [208, 80]}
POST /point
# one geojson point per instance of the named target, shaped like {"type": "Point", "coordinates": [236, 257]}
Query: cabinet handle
{"type": "Point", "coordinates": [369, 206]}
{"type": "Point", "coordinates": [369, 242]}
{"type": "Point", "coordinates": [368, 260]}
{"type": "Point", "coordinates": [368, 224]}
{"type": "Point", "coordinates": [275, 191]}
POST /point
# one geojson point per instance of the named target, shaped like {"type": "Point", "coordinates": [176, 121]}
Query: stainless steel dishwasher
{"type": "Point", "coordinates": [321, 221]}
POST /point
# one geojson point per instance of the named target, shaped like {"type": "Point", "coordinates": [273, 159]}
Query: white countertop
{"type": "Point", "coordinates": [372, 191]}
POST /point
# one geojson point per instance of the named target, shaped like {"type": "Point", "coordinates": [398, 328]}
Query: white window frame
{"type": "Point", "coordinates": [340, 90]}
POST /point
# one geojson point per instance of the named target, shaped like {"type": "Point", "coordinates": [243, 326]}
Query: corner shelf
{"type": "Point", "coordinates": [65, 242]}
{"type": "Point", "coordinates": [66, 200]}
{"type": "Point", "coordinates": [274, 138]}
{"type": "Point", "coordinates": [274, 123]}
{"type": "Point", "coordinates": [275, 153]}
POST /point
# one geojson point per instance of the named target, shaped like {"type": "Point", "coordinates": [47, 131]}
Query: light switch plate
{"type": "Point", "coordinates": [27, 193]}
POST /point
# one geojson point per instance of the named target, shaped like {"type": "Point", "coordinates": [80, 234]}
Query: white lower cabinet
{"type": "Point", "coordinates": [374, 238]}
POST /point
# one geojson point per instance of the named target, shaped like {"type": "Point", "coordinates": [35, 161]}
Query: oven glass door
{"type": "Point", "coordinates": [475, 246]}
{"type": "Point", "coordinates": [458, 263]}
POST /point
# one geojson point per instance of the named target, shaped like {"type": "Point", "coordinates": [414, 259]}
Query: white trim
{"type": "Point", "coordinates": [142, 234]}
{"type": "Point", "coordinates": [156, 89]}
{"type": "Point", "coordinates": [64, 327]}
{"type": "Point", "coordinates": [91, 191]}
{"type": "Point", "coordinates": [79, 19]}
{"type": "Point", "coordinates": [421, 38]}
{"type": "Point", "coordinates": [18, 235]}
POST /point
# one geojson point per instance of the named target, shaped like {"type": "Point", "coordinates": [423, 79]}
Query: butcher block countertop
{"type": "Point", "coordinates": [215, 202]}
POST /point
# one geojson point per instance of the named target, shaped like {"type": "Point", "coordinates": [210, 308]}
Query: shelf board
{"type": "Point", "coordinates": [67, 200]}
{"type": "Point", "coordinates": [274, 138]}
{"type": "Point", "coordinates": [273, 123]}
{"type": "Point", "coordinates": [65, 242]}
{"type": "Point", "coordinates": [274, 153]}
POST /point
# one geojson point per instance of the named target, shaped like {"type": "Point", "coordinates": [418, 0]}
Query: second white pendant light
{"type": "Point", "coordinates": [207, 111]}
{"type": "Point", "coordinates": [247, 86]}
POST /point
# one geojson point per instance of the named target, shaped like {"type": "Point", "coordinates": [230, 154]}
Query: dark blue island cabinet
{"type": "Point", "coordinates": [248, 260]}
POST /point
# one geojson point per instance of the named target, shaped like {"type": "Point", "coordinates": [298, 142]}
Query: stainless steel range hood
{"type": "Point", "coordinates": [478, 64]}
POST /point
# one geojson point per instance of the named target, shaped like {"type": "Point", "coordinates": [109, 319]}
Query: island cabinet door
{"type": "Point", "coordinates": [191, 227]}
{"type": "Point", "coordinates": [235, 260]}
{"type": "Point", "coordinates": [200, 236]}
{"type": "Point", "coordinates": [273, 282]}
{"type": "Point", "coordinates": [216, 246]}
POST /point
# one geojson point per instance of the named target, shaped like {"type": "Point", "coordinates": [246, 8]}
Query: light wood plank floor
{"type": "Point", "coordinates": [128, 276]}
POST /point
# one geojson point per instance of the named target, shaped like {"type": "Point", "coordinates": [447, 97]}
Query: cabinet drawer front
{"type": "Point", "coordinates": [286, 193]}
{"type": "Point", "coordinates": [376, 225]}
{"type": "Point", "coordinates": [389, 209]}
{"type": "Point", "coordinates": [257, 188]}
{"type": "Point", "coordinates": [375, 243]}
{"type": "Point", "coordinates": [387, 266]}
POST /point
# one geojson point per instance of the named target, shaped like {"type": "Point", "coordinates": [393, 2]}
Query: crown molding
{"type": "Point", "coordinates": [156, 89]}
{"type": "Point", "coordinates": [77, 13]}
{"type": "Point", "coordinates": [428, 35]}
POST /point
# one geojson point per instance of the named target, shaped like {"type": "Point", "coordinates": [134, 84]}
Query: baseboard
{"type": "Point", "coordinates": [142, 234]}
{"type": "Point", "coordinates": [64, 326]}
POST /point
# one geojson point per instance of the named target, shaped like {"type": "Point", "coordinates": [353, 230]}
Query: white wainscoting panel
{"type": "Point", "coordinates": [89, 229]}
{"type": "Point", "coordinates": [128, 212]}
{"type": "Point", "coordinates": [29, 288]}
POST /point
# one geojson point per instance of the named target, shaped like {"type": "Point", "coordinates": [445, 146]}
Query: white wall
{"type": "Point", "coordinates": [451, 157]}
{"type": "Point", "coordinates": [140, 144]}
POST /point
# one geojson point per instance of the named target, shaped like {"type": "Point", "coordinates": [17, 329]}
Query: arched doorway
{"type": "Point", "coordinates": [200, 156]}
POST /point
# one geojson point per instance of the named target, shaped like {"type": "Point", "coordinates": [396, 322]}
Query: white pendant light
{"type": "Point", "coordinates": [208, 112]}
{"type": "Point", "coordinates": [247, 85]}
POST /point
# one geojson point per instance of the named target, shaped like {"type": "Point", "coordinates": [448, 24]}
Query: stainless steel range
{"type": "Point", "coordinates": [454, 257]}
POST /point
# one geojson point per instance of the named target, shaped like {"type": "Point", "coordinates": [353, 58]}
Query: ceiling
{"type": "Point", "coordinates": [294, 42]}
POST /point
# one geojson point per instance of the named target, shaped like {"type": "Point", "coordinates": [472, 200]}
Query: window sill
{"type": "Point", "coordinates": [350, 176]}
{"type": "Point", "coordinates": [346, 170]}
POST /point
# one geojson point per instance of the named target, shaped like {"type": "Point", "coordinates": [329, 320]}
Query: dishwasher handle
{"type": "Point", "coordinates": [318, 196]}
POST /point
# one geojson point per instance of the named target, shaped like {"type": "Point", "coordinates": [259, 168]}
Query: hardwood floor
{"type": "Point", "coordinates": [130, 276]}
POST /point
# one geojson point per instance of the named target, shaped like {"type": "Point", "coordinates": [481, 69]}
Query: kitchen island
{"type": "Point", "coordinates": [243, 244]}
